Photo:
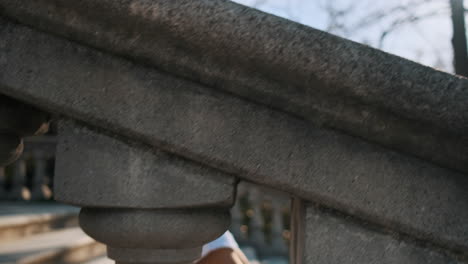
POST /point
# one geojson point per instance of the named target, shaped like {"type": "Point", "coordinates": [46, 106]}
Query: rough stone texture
{"type": "Point", "coordinates": [255, 142]}
{"type": "Point", "coordinates": [119, 183]}
{"type": "Point", "coordinates": [325, 79]}
{"type": "Point", "coordinates": [163, 256]}
{"type": "Point", "coordinates": [331, 239]}
{"type": "Point", "coordinates": [155, 229]}
{"type": "Point", "coordinates": [97, 170]}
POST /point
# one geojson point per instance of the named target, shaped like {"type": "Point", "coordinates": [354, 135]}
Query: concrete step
{"type": "Point", "coordinates": [67, 246]}
{"type": "Point", "coordinates": [101, 260]}
{"type": "Point", "coordinates": [19, 220]}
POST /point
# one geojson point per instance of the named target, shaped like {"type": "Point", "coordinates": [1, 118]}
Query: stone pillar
{"type": "Point", "coordinates": [236, 221]}
{"type": "Point", "coordinates": [237, 215]}
{"type": "Point", "coordinates": [39, 189]}
{"type": "Point", "coordinates": [146, 205]}
{"type": "Point", "coordinates": [257, 235]}
{"type": "Point", "coordinates": [3, 193]}
{"type": "Point", "coordinates": [277, 225]}
{"type": "Point", "coordinates": [18, 183]}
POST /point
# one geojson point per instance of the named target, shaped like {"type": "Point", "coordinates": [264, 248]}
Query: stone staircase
{"type": "Point", "coordinates": [33, 233]}
{"type": "Point", "coordinates": [48, 233]}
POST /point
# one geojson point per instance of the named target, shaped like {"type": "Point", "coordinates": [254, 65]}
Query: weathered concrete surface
{"type": "Point", "coordinates": [255, 142]}
{"type": "Point", "coordinates": [332, 239]}
{"type": "Point", "coordinates": [322, 78]}
{"type": "Point", "coordinates": [146, 205]}
{"type": "Point", "coordinates": [96, 170]}
{"type": "Point", "coordinates": [155, 229]}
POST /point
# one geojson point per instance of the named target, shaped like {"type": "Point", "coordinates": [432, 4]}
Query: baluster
{"type": "Point", "coordinates": [18, 188]}
{"type": "Point", "coordinates": [257, 235]}
{"type": "Point", "coordinates": [3, 193]}
{"type": "Point", "coordinates": [147, 206]}
{"type": "Point", "coordinates": [39, 189]}
{"type": "Point", "coordinates": [278, 243]}
{"type": "Point", "coordinates": [236, 216]}
{"type": "Point", "coordinates": [49, 179]}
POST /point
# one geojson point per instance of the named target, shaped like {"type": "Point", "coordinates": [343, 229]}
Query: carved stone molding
{"type": "Point", "coordinates": [154, 236]}
{"type": "Point", "coordinates": [147, 206]}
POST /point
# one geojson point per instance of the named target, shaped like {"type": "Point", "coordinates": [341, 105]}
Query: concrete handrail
{"type": "Point", "coordinates": [325, 79]}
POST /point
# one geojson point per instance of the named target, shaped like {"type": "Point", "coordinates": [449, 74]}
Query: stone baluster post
{"type": "Point", "coordinates": [236, 221]}
{"type": "Point", "coordinates": [146, 205]}
{"type": "Point", "coordinates": [237, 215]}
{"type": "Point", "coordinates": [39, 189]}
{"type": "Point", "coordinates": [49, 179]}
{"type": "Point", "coordinates": [278, 243]}
{"type": "Point", "coordinates": [18, 183]}
{"type": "Point", "coordinates": [257, 235]}
{"type": "Point", "coordinates": [3, 193]}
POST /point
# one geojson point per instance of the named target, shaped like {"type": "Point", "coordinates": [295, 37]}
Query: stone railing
{"type": "Point", "coordinates": [164, 106]}
{"type": "Point", "coordinates": [259, 218]}
{"type": "Point", "coordinates": [31, 176]}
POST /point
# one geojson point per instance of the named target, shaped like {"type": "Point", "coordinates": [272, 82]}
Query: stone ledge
{"type": "Point", "coordinates": [320, 77]}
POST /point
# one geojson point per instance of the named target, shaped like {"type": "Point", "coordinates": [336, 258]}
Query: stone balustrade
{"type": "Point", "coordinates": [17, 122]}
{"type": "Point", "coordinates": [165, 106]}
{"type": "Point", "coordinates": [30, 177]}
{"type": "Point", "coordinates": [258, 219]}
{"type": "Point", "coordinates": [257, 215]}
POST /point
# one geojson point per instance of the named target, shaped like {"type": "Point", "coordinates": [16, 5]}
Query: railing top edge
{"type": "Point", "coordinates": [330, 81]}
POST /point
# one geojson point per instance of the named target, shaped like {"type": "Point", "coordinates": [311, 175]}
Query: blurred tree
{"type": "Point", "coordinates": [374, 21]}
{"type": "Point", "coordinates": [404, 14]}
{"type": "Point", "coordinates": [460, 48]}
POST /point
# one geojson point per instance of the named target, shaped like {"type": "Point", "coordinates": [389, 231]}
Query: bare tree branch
{"type": "Point", "coordinates": [379, 15]}
{"type": "Point", "coordinates": [398, 23]}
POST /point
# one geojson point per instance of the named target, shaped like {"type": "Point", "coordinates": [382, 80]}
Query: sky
{"type": "Point", "coordinates": [427, 40]}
